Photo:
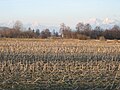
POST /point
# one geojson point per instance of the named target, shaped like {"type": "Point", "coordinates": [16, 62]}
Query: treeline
{"type": "Point", "coordinates": [85, 31]}
{"type": "Point", "coordinates": [18, 31]}
{"type": "Point", "coordinates": [82, 31]}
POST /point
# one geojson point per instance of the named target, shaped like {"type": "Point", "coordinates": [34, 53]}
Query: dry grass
{"type": "Point", "coordinates": [33, 64]}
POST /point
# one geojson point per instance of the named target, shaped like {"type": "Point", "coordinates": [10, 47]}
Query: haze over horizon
{"type": "Point", "coordinates": [54, 12]}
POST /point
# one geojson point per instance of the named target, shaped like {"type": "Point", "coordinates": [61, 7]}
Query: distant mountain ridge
{"type": "Point", "coordinates": [103, 23]}
{"type": "Point", "coordinates": [4, 28]}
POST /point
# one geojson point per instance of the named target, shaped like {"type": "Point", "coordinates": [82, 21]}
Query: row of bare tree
{"type": "Point", "coordinates": [83, 31]}
{"type": "Point", "coordinates": [19, 32]}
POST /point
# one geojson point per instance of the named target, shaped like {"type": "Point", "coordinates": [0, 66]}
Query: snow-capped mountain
{"type": "Point", "coordinates": [41, 27]}
{"type": "Point", "coordinates": [103, 23]}
{"type": "Point", "coordinates": [31, 25]}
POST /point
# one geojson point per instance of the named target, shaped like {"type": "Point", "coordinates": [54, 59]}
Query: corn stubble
{"type": "Point", "coordinates": [33, 64]}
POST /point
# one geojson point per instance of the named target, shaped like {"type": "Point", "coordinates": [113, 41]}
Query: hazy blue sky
{"type": "Point", "coordinates": [58, 11]}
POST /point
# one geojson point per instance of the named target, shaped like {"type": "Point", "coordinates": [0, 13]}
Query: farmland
{"type": "Point", "coordinates": [62, 64]}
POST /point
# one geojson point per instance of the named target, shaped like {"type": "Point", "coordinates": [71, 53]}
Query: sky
{"type": "Point", "coordinates": [54, 12]}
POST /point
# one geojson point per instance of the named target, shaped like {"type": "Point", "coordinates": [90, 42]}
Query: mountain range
{"type": "Point", "coordinates": [103, 23]}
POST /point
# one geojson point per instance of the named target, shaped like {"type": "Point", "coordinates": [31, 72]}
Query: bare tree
{"type": "Point", "coordinates": [18, 26]}
{"type": "Point", "coordinates": [87, 29]}
{"type": "Point", "coordinates": [62, 29]}
{"type": "Point", "coordinates": [45, 33]}
{"type": "Point", "coordinates": [80, 27]}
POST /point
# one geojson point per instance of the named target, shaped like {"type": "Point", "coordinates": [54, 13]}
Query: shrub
{"type": "Point", "coordinates": [102, 38]}
{"type": "Point", "coordinates": [82, 37]}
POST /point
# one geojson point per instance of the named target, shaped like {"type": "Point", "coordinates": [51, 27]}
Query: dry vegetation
{"type": "Point", "coordinates": [33, 64]}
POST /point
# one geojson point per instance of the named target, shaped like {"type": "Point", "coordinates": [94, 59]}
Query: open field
{"type": "Point", "coordinates": [36, 64]}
